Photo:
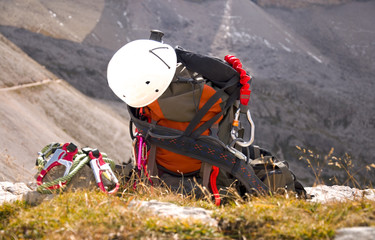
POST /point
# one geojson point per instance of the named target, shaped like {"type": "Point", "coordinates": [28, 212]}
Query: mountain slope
{"type": "Point", "coordinates": [308, 90]}
{"type": "Point", "coordinates": [67, 19]}
{"type": "Point", "coordinates": [38, 109]}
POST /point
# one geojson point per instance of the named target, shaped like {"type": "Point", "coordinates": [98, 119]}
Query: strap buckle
{"type": "Point", "coordinates": [62, 156]}
{"type": "Point", "coordinates": [100, 167]}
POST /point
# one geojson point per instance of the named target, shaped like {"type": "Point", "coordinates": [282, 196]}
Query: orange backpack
{"type": "Point", "coordinates": [202, 123]}
{"type": "Point", "coordinates": [202, 117]}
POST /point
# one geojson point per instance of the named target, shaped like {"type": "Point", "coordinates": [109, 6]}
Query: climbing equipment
{"type": "Point", "coordinates": [141, 71]}
{"type": "Point", "coordinates": [141, 153]}
{"type": "Point", "coordinates": [100, 167]}
{"type": "Point", "coordinates": [61, 156]}
{"type": "Point", "coordinates": [229, 85]}
{"type": "Point", "coordinates": [202, 120]}
{"type": "Point", "coordinates": [56, 154]}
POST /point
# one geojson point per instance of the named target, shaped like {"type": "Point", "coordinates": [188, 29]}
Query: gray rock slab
{"type": "Point", "coordinates": [13, 191]}
{"type": "Point", "coordinates": [356, 233]}
{"type": "Point", "coordinates": [172, 210]}
{"type": "Point", "coordinates": [324, 194]}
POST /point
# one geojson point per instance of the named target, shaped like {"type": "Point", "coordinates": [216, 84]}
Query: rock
{"type": "Point", "coordinates": [356, 233]}
{"type": "Point", "coordinates": [323, 193]}
{"type": "Point", "coordinates": [172, 210]}
{"type": "Point", "coordinates": [35, 198]}
{"type": "Point", "coordinates": [13, 191]}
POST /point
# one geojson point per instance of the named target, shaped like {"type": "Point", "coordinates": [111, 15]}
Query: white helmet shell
{"type": "Point", "coordinates": [141, 71]}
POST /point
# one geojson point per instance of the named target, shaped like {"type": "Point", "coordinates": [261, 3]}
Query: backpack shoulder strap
{"type": "Point", "coordinates": [217, 71]}
{"type": "Point", "coordinates": [204, 65]}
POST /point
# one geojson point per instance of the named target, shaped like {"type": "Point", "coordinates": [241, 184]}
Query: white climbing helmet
{"type": "Point", "coordinates": [141, 71]}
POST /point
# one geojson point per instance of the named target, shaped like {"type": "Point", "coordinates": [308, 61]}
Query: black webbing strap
{"type": "Point", "coordinates": [215, 155]}
{"type": "Point", "coordinates": [207, 149]}
{"type": "Point", "coordinates": [231, 100]}
{"type": "Point", "coordinates": [207, 106]}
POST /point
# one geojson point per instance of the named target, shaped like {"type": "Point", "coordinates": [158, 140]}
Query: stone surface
{"type": "Point", "coordinates": [13, 191]}
{"type": "Point", "coordinates": [172, 210]}
{"type": "Point", "coordinates": [323, 193]}
{"type": "Point", "coordinates": [356, 233]}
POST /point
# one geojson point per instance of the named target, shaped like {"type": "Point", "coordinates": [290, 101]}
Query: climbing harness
{"type": "Point", "coordinates": [68, 155]}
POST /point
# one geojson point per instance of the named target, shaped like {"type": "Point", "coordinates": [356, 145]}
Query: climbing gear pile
{"type": "Point", "coordinates": [196, 124]}
{"type": "Point", "coordinates": [220, 150]}
{"type": "Point", "coordinates": [203, 123]}
{"type": "Point", "coordinates": [68, 155]}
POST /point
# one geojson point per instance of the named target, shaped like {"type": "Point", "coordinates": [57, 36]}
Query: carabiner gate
{"type": "Point", "coordinates": [242, 121]}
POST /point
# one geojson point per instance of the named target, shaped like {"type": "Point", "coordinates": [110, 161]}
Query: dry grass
{"type": "Point", "coordinates": [331, 169]}
{"type": "Point", "coordinates": [94, 215]}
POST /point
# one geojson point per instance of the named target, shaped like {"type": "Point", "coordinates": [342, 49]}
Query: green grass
{"type": "Point", "coordinates": [91, 214]}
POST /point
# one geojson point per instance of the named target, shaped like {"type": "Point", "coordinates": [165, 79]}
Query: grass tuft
{"type": "Point", "coordinates": [331, 169]}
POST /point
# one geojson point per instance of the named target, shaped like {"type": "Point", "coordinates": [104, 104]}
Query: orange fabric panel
{"type": "Point", "coordinates": [176, 162]}
{"type": "Point", "coordinates": [173, 161]}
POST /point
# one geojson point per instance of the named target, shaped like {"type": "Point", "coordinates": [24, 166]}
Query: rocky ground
{"type": "Point", "coordinates": [10, 191]}
{"type": "Point", "coordinates": [322, 194]}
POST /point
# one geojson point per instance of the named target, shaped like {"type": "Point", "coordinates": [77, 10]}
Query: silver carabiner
{"type": "Point", "coordinates": [243, 121]}
{"type": "Point", "coordinates": [237, 153]}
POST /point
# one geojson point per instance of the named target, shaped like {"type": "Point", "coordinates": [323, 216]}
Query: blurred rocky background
{"type": "Point", "coordinates": [312, 63]}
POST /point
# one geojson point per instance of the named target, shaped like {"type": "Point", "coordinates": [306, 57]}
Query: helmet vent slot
{"type": "Point", "coordinates": [152, 51]}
